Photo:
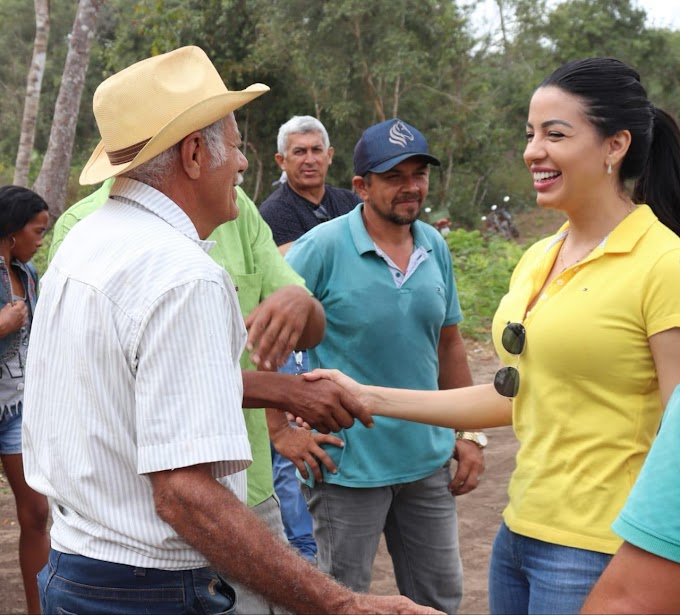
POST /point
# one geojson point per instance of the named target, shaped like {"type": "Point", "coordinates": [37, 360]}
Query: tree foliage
{"type": "Point", "coordinates": [352, 63]}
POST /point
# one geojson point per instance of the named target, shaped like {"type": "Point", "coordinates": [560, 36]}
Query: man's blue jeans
{"type": "Point", "coordinates": [77, 584]}
{"type": "Point", "coordinates": [531, 576]}
{"type": "Point", "coordinates": [297, 521]}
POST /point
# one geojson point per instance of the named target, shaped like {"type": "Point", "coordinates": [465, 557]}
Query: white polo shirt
{"type": "Point", "coordinates": [133, 367]}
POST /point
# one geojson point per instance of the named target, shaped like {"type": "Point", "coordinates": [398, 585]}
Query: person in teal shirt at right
{"type": "Point", "coordinates": [644, 575]}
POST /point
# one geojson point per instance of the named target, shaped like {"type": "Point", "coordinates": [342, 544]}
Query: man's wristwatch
{"type": "Point", "coordinates": [478, 437]}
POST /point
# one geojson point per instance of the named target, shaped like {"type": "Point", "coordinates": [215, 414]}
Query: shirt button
{"type": "Point", "coordinates": [20, 386]}
{"type": "Point", "coordinates": [544, 296]}
{"type": "Point", "coordinates": [560, 282]}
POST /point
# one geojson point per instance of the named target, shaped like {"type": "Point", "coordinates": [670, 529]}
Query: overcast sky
{"type": "Point", "coordinates": [660, 13]}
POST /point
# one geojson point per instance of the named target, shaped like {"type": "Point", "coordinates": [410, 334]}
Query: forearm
{"type": "Point", "coordinates": [454, 371]}
{"type": "Point", "coordinates": [276, 423]}
{"type": "Point", "coordinates": [262, 389]}
{"type": "Point", "coordinates": [466, 408]}
{"type": "Point", "coordinates": [236, 542]}
{"type": "Point", "coordinates": [636, 581]}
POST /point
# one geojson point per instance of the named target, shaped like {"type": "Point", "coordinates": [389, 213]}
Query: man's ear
{"type": "Point", "coordinates": [359, 184]}
{"type": "Point", "coordinates": [331, 151]}
{"type": "Point", "coordinates": [193, 154]}
{"type": "Point", "coordinates": [279, 160]}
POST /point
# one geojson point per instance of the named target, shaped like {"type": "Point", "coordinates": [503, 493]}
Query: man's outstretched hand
{"type": "Point", "coordinates": [322, 403]}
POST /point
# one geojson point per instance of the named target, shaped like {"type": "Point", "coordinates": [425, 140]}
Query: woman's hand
{"type": "Point", "coordinates": [12, 317]}
{"type": "Point", "coordinates": [351, 386]}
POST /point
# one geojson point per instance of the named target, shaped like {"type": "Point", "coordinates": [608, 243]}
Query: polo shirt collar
{"type": "Point", "coordinates": [364, 243]}
{"type": "Point", "coordinates": [159, 204]}
{"type": "Point", "coordinates": [625, 236]}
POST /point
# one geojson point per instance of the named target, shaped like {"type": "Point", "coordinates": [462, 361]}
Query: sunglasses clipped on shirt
{"type": "Point", "coordinates": [506, 380]}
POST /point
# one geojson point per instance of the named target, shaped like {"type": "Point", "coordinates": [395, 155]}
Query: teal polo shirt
{"type": "Point", "coordinates": [381, 335]}
{"type": "Point", "coordinates": [650, 519]}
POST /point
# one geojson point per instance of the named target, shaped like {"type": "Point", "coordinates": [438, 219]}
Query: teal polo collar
{"type": "Point", "coordinates": [363, 242]}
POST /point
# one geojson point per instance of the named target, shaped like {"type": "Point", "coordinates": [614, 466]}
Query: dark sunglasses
{"type": "Point", "coordinates": [506, 380]}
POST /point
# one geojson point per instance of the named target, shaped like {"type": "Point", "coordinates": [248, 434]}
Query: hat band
{"type": "Point", "coordinates": [127, 154]}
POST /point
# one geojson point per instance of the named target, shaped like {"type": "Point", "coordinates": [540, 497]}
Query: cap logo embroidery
{"type": "Point", "coordinates": [399, 134]}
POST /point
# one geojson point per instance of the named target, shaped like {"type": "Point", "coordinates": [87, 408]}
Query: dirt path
{"type": "Point", "coordinates": [478, 515]}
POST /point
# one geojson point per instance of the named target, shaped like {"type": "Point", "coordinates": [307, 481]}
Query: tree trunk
{"type": "Point", "coordinates": [33, 87]}
{"type": "Point", "coordinates": [52, 181]}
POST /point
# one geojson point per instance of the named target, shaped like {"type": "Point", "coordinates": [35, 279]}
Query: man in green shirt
{"type": "Point", "coordinates": [245, 249]}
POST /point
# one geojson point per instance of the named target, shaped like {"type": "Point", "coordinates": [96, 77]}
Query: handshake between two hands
{"type": "Point", "coordinates": [355, 404]}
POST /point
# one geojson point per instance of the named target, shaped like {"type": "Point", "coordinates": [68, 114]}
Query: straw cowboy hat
{"type": "Point", "coordinates": [152, 105]}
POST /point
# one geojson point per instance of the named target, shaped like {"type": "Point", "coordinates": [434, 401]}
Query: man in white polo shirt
{"type": "Point", "coordinates": [133, 397]}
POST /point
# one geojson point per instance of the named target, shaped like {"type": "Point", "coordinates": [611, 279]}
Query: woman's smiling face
{"type": "Point", "coordinates": [565, 154]}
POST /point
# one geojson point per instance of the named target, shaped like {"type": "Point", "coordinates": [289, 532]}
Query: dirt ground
{"type": "Point", "coordinates": [479, 516]}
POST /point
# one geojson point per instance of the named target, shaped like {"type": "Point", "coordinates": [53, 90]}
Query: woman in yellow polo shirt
{"type": "Point", "coordinates": [589, 332]}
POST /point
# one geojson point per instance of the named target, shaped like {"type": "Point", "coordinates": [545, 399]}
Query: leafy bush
{"type": "Point", "coordinates": [483, 266]}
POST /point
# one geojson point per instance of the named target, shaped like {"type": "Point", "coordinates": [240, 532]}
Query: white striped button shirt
{"type": "Point", "coordinates": [132, 368]}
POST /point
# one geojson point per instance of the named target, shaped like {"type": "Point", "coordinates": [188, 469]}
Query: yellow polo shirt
{"type": "Point", "coordinates": [588, 406]}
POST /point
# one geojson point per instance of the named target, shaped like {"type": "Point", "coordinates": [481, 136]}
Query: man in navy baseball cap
{"type": "Point", "coordinates": [385, 145]}
{"type": "Point", "coordinates": [385, 280]}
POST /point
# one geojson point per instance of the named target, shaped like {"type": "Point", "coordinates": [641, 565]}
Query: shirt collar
{"type": "Point", "coordinates": [159, 204]}
{"type": "Point", "coordinates": [363, 242]}
{"type": "Point", "coordinates": [624, 237]}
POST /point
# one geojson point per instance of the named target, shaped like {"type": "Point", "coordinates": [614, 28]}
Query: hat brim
{"type": "Point", "coordinates": [200, 115]}
{"type": "Point", "coordinates": [393, 162]}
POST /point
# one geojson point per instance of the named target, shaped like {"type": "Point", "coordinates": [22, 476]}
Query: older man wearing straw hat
{"type": "Point", "coordinates": [133, 380]}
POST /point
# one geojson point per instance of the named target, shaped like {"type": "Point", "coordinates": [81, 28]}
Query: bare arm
{"type": "Point", "coordinates": [454, 372]}
{"type": "Point", "coordinates": [467, 408]}
{"type": "Point", "coordinates": [665, 347]}
{"type": "Point", "coordinates": [212, 520]}
{"type": "Point", "coordinates": [325, 405]}
{"type": "Point", "coordinates": [636, 581]}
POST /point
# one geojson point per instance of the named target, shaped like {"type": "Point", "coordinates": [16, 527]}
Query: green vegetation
{"type": "Point", "coordinates": [352, 63]}
{"type": "Point", "coordinates": [40, 258]}
{"type": "Point", "coordinates": [482, 267]}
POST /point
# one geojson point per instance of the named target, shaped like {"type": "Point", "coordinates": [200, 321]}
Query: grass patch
{"type": "Point", "coordinates": [483, 266]}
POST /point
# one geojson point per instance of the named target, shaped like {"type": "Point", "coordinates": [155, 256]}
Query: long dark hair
{"type": "Point", "coordinates": [615, 100]}
{"type": "Point", "coordinates": [18, 206]}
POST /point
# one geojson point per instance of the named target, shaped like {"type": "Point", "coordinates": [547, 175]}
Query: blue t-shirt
{"type": "Point", "coordinates": [650, 519]}
{"type": "Point", "coordinates": [381, 334]}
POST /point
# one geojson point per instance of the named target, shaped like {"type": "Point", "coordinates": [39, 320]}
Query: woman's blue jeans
{"type": "Point", "coordinates": [535, 577]}
{"type": "Point", "coordinates": [77, 584]}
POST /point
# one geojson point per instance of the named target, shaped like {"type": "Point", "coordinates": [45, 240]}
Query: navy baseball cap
{"type": "Point", "coordinates": [385, 145]}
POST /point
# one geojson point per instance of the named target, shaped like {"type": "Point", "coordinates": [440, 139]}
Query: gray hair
{"type": "Point", "coordinates": [300, 124]}
{"type": "Point", "coordinates": [160, 169]}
